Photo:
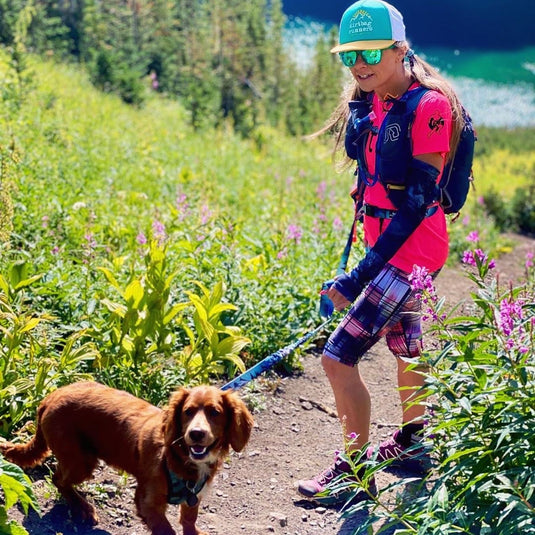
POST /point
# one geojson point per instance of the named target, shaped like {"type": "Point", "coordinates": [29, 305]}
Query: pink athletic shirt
{"type": "Point", "coordinates": [428, 244]}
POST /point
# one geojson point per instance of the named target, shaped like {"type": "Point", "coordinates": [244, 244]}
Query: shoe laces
{"type": "Point", "coordinates": [332, 472]}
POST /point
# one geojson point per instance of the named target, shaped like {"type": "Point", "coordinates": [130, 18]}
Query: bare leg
{"type": "Point", "coordinates": [410, 383]}
{"type": "Point", "coordinates": [352, 398]}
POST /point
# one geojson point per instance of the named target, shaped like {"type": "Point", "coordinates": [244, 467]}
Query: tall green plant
{"type": "Point", "coordinates": [33, 360]}
{"type": "Point", "coordinates": [9, 158]}
{"type": "Point", "coordinates": [147, 332]}
{"type": "Point", "coordinates": [140, 324]}
{"type": "Point", "coordinates": [214, 347]}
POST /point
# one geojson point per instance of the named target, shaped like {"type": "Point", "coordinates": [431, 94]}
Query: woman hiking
{"type": "Point", "coordinates": [404, 226]}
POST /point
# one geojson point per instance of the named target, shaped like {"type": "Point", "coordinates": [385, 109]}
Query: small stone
{"type": "Point", "coordinates": [280, 518]}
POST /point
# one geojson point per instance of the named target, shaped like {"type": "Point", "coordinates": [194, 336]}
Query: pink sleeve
{"type": "Point", "coordinates": [431, 129]}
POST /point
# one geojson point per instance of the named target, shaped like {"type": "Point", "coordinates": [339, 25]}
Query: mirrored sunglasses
{"type": "Point", "coordinates": [370, 57]}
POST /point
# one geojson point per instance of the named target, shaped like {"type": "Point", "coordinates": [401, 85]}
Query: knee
{"type": "Point", "coordinates": [334, 369]}
{"type": "Point", "coordinates": [328, 364]}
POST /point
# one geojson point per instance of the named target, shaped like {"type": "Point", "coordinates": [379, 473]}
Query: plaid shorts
{"type": "Point", "coordinates": [387, 307]}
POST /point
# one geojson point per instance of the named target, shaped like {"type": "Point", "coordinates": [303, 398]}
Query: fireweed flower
{"type": "Point", "coordinates": [321, 190]}
{"type": "Point", "coordinates": [206, 214]}
{"type": "Point", "coordinates": [337, 224]}
{"type": "Point", "coordinates": [182, 206]}
{"type": "Point", "coordinates": [509, 321]}
{"type": "Point", "coordinates": [294, 233]}
{"type": "Point", "coordinates": [478, 257]}
{"type": "Point", "coordinates": [468, 258]}
{"type": "Point", "coordinates": [158, 231]}
{"type": "Point", "coordinates": [318, 226]}
{"type": "Point", "coordinates": [422, 282]}
{"type": "Point", "coordinates": [141, 239]}
{"type": "Point", "coordinates": [510, 312]}
{"type": "Point", "coordinates": [529, 260]}
{"type": "Point", "coordinates": [473, 236]}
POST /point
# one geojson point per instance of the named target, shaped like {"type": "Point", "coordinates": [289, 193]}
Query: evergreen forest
{"type": "Point", "coordinates": [224, 60]}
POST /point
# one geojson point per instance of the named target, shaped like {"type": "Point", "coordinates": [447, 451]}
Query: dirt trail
{"type": "Point", "coordinates": [295, 435]}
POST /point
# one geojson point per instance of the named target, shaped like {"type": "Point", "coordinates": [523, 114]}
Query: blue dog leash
{"type": "Point", "coordinates": [270, 361]}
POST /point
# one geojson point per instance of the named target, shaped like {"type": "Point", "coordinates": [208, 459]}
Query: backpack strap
{"type": "Point", "coordinates": [393, 151]}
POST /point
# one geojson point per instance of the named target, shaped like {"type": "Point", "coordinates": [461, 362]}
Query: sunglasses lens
{"type": "Point", "coordinates": [349, 58]}
{"type": "Point", "coordinates": [372, 57]}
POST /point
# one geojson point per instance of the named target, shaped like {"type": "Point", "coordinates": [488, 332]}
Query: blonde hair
{"type": "Point", "coordinates": [423, 73]}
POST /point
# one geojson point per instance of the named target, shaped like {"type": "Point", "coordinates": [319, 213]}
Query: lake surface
{"type": "Point", "coordinates": [496, 87]}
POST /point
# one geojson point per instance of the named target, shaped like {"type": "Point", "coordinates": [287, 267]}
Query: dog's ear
{"type": "Point", "coordinates": [240, 421]}
{"type": "Point", "coordinates": [172, 425]}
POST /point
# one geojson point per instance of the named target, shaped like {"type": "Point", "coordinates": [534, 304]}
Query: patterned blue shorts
{"type": "Point", "coordinates": [387, 307]}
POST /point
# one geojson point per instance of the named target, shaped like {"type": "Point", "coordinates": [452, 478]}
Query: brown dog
{"type": "Point", "coordinates": [173, 453]}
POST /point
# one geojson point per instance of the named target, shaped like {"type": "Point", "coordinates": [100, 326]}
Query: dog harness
{"type": "Point", "coordinates": [182, 490]}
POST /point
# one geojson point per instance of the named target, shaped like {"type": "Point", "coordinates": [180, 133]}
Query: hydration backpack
{"type": "Point", "coordinates": [394, 149]}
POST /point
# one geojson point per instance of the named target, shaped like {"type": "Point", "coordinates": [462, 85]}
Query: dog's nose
{"type": "Point", "coordinates": [197, 435]}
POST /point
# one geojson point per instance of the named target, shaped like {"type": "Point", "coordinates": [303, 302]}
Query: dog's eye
{"type": "Point", "coordinates": [214, 411]}
{"type": "Point", "coordinates": [189, 411]}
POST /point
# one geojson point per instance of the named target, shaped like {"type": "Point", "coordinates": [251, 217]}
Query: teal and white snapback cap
{"type": "Point", "coordinates": [369, 24]}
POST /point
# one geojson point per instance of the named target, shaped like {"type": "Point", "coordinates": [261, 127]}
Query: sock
{"type": "Point", "coordinates": [405, 436]}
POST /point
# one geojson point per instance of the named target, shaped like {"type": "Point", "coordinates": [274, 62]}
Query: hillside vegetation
{"type": "Point", "coordinates": [97, 187]}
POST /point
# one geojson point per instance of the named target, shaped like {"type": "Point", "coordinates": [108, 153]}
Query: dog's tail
{"type": "Point", "coordinates": [30, 454]}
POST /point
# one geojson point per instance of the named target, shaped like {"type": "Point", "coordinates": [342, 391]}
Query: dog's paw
{"type": "Point", "coordinates": [85, 513]}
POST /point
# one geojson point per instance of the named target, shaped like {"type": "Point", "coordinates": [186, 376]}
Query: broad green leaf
{"type": "Point", "coordinates": [134, 293]}
{"type": "Point", "coordinates": [173, 311]}
{"type": "Point", "coordinates": [116, 308]}
{"type": "Point", "coordinates": [232, 345]}
{"type": "Point", "coordinates": [109, 277]}
{"type": "Point", "coordinates": [30, 324]}
{"type": "Point", "coordinates": [216, 310]}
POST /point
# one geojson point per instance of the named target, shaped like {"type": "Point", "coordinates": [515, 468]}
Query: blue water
{"type": "Point", "coordinates": [497, 88]}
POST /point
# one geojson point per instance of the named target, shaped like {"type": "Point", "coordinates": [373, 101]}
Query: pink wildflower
{"type": "Point", "coordinates": [294, 233]}
{"type": "Point", "coordinates": [337, 224]}
{"type": "Point", "coordinates": [158, 230]}
{"type": "Point", "coordinates": [206, 214]}
{"type": "Point", "coordinates": [529, 260]}
{"type": "Point", "coordinates": [468, 258]}
{"type": "Point", "coordinates": [473, 236]}
{"type": "Point", "coordinates": [321, 190]}
{"type": "Point", "coordinates": [510, 311]}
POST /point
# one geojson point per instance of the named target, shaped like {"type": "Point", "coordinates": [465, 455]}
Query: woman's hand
{"type": "Point", "coordinates": [339, 301]}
